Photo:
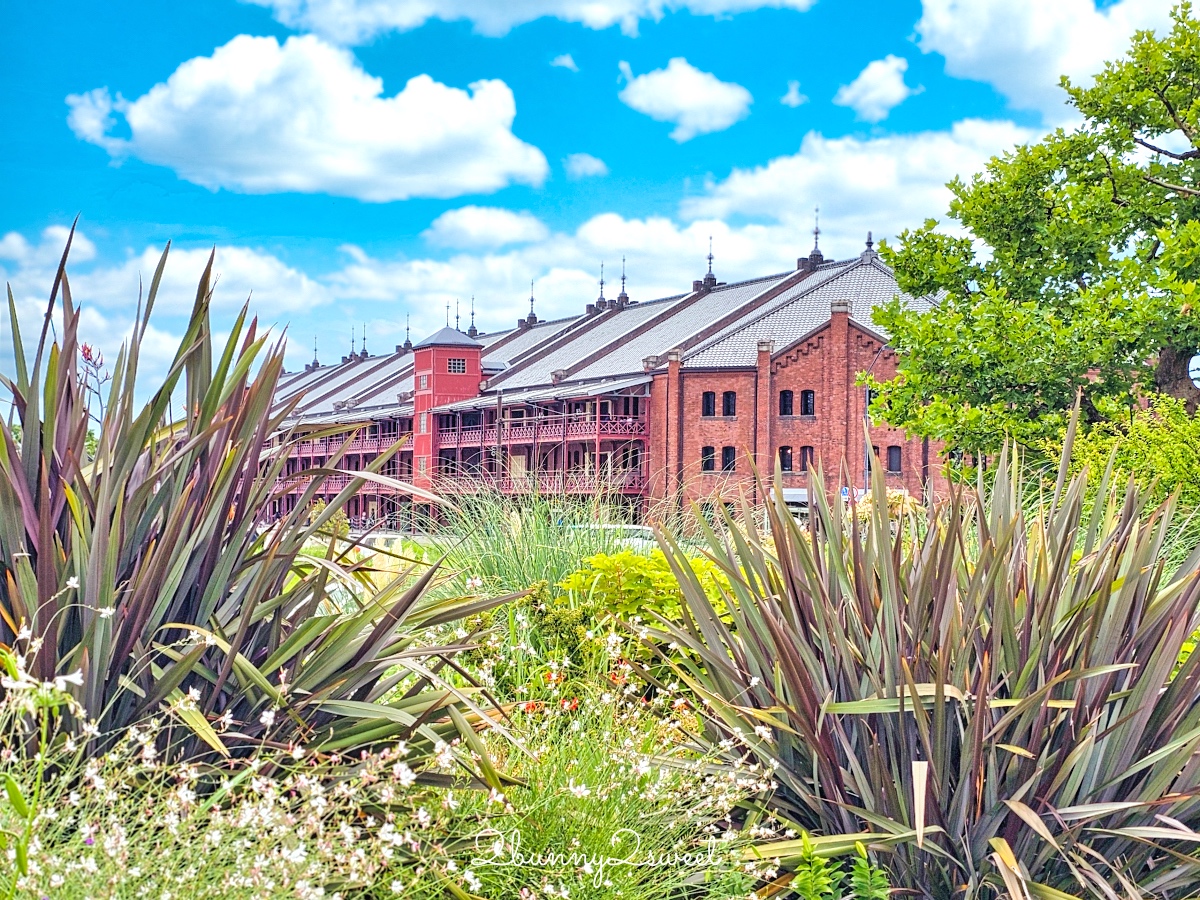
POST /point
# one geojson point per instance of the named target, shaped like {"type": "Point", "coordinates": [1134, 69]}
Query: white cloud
{"type": "Point", "coordinates": [107, 291]}
{"type": "Point", "coordinates": [884, 184]}
{"type": "Point", "coordinates": [584, 165]}
{"type": "Point", "coordinates": [257, 117]}
{"type": "Point", "coordinates": [793, 97]}
{"type": "Point", "coordinates": [565, 61]}
{"type": "Point", "coordinates": [358, 21]}
{"type": "Point", "coordinates": [1021, 47]}
{"type": "Point", "coordinates": [484, 226]}
{"type": "Point", "coordinates": [877, 90]}
{"type": "Point", "coordinates": [697, 102]}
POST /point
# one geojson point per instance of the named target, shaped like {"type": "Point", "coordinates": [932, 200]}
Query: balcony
{"type": "Point", "coordinates": [630, 481]}
{"type": "Point", "coordinates": [544, 433]}
{"type": "Point", "coordinates": [330, 445]}
{"type": "Point", "coordinates": [332, 484]}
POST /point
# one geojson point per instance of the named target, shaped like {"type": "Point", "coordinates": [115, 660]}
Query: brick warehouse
{"type": "Point", "coordinates": [675, 398]}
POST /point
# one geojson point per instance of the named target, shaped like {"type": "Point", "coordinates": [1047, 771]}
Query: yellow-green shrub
{"type": "Point", "coordinates": [631, 584]}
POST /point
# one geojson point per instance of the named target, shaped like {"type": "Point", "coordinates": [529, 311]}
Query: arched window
{"type": "Point", "coordinates": [729, 403]}
{"type": "Point", "coordinates": [808, 403]}
{"type": "Point", "coordinates": [728, 459]}
{"type": "Point", "coordinates": [708, 404]}
{"type": "Point", "coordinates": [785, 459]}
{"type": "Point", "coordinates": [806, 458]}
{"type": "Point", "coordinates": [785, 403]}
{"type": "Point", "coordinates": [894, 459]}
{"type": "Point", "coordinates": [708, 459]}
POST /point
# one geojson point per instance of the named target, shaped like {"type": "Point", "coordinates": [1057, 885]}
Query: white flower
{"type": "Point", "coordinates": [72, 583]}
{"type": "Point", "coordinates": [267, 718]}
{"type": "Point", "coordinates": [106, 612]}
{"type": "Point", "coordinates": [61, 681]}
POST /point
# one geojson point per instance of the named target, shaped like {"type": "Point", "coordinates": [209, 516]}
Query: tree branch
{"type": "Point", "coordinates": [1177, 188]}
{"type": "Point", "coordinates": [1180, 123]}
{"type": "Point", "coordinates": [1190, 154]}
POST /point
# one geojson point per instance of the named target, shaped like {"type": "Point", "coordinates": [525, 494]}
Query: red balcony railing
{"type": "Point", "coordinates": [360, 444]}
{"type": "Point", "coordinates": [630, 481]}
{"type": "Point", "coordinates": [543, 432]}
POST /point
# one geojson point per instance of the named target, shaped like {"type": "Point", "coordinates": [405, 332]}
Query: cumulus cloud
{"type": "Point", "coordinates": [793, 97]}
{"type": "Point", "coordinates": [1021, 47]}
{"type": "Point", "coordinates": [358, 21]}
{"type": "Point", "coordinates": [565, 61]}
{"type": "Point", "coordinates": [107, 291]}
{"type": "Point", "coordinates": [584, 165]}
{"type": "Point", "coordinates": [697, 102]}
{"type": "Point", "coordinates": [257, 117]}
{"type": "Point", "coordinates": [884, 184]}
{"type": "Point", "coordinates": [484, 226]}
{"type": "Point", "coordinates": [877, 90]}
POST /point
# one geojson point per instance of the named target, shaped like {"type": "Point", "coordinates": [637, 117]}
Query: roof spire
{"type": "Point", "coordinates": [622, 273]}
{"type": "Point", "coordinates": [447, 313]}
{"type": "Point", "coordinates": [457, 322]}
{"type": "Point", "coordinates": [622, 298]}
{"type": "Point", "coordinates": [407, 338]}
{"type": "Point", "coordinates": [353, 342]}
{"type": "Point", "coordinates": [363, 352]}
{"type": "Point", "coordinates": [315, 363]}
{"type": "Point", "coordinates": [472, 331]}
{"type": "Point", "coordinates": [601, 303]}
{"type": "Point", "coordinates": [816, 257]}
{"type": "Point", "coordinates": [532, 318]}
{"type": "Point", "coordinates": [710, 280]}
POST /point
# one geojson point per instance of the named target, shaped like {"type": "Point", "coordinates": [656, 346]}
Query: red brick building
{"type": "Point", "coordinates": [678, 398]}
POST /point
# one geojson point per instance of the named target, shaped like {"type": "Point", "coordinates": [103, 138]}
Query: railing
{"type": "Point", "coordinates": [332, 484]}
{"type": "Point", "coordinates": [360, 444]}
{"type": "Point", "coordinates": [543, 433]}
{"type": "Point", "coordinates": [629, 481]}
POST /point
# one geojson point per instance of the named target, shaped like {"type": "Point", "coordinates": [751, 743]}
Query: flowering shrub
{"type": "Point", "coordinates": [630, 584]}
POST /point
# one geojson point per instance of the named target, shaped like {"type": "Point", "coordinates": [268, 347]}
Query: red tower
{"type": "Point", "coordinates": [446, 368]}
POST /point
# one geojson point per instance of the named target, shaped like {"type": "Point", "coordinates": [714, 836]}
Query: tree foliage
{"type": "Point", "coordinates": [1073, 267]}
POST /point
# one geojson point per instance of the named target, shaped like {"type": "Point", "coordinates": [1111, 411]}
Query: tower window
{"type": "Point", "coordinates": [894, 459]}
{"type": "Point", "coordinates": [708, 404]}
{"type": "Point", "coordinates": [808, 403]}
{"type": "Point", "coordinates": [424, 382]}
{"type": "Point", "coordinates": [456, 366]}
{"type": "Point", "coordinates": [728, 459]}
{"type": "Point", "coordinates": [785, 459]}
{"type": "Point", "coordinates": [729, 403]}
{"type": "Point", "coordinates": [708, 459]}
{"type": "Point", "coordinates": [785, 403]}
{"type": "Point", "coordinates": [806, 458]}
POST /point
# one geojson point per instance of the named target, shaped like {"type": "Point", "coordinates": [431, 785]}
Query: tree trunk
{"type": "Point", "coordinates": [1171, 377]}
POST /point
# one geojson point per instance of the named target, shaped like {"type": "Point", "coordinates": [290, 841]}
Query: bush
{"type": "Point", "coordinates": [993, 693]}
{"type": "Point", "coordinates": [153, 570]}
{"type": "Point", "coordinates": [628, 584]}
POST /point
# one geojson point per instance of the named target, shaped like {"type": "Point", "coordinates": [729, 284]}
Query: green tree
{"type": "Point", "coordinates": [1073, 268]}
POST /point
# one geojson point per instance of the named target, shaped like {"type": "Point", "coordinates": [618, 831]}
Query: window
{"type": "Point", "coordinates": [424, 382]}
{"type": "Point", "coordinates": [421, 465]}
{"type": "Point", "coordinates": [806, 458]}
{"type": "Point", "coordinates": [785, 459]}
{"type": "Point", "coordinates": [808, 403]}
{"type": "Point", "coordinates": [708, 404]}
{"type": "Point", "coordinates": [456, 366]}
{"type": "Point", "coordinates": [728, 459]}
{"type": "Point", "coordinates": [708, 459]}
{"type": "Point", "coordinates": [729, 403]}
{"type": "Point", "coordinates": [893, 460]}
{"type": "Point", "coordinates": [424, 422]}
{"type": "Point", "coordinates": [872, 458]}
{"type": "Point", "coordinates": [785, 403]}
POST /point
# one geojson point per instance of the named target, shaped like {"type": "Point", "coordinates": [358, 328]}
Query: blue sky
{"type": "Point", "coordinates": [357, 161]}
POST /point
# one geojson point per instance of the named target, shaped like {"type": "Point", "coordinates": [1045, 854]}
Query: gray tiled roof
{"type": "Point", "coordinates": [863, 283]}
{"type": "Point", "coordinates": [602, 329]}
{"type": "Point", "coordinates": [677, 325]}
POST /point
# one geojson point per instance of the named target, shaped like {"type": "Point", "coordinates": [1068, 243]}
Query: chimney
{"type": "Point", "coordinates": [697, 286]}
{"type": "Point", "coordinates": [557, 375]}
{"type": "Point", "coordinates": [650, 363]}
{"type": "Point", "coordinates": [591, 309]}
